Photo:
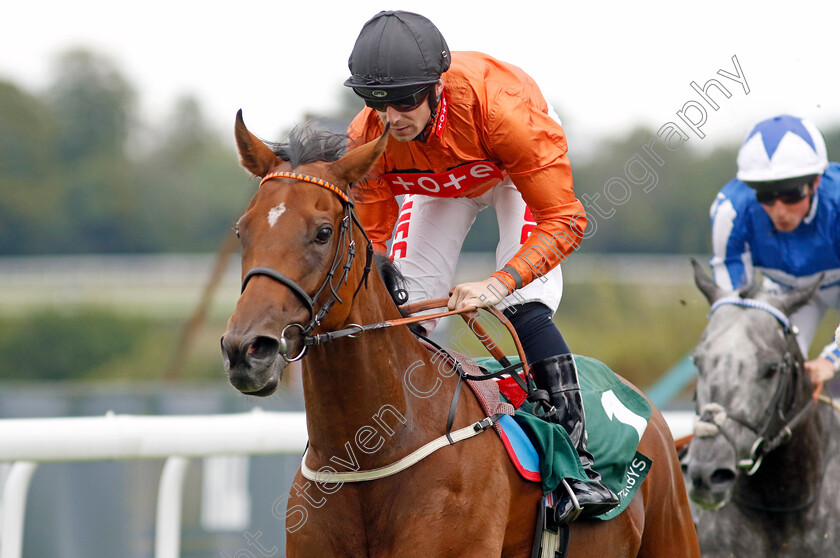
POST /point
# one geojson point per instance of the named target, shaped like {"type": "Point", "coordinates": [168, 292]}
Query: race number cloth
{"type": "Point", "coordinates": [616, 418]}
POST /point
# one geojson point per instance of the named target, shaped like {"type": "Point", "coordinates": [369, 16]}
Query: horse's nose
{"type": "Point", "coordinates": [256, 352]}
{"type": "Point", "coordinates": [710, 477]}
{"type": "Point", "coordinates": [711, 471]}
{"type": "Point", "coordinates": [723, 477]}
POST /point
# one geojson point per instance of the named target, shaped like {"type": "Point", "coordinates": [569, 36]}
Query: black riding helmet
{"type": "Point", "coordinates": [396, 55]}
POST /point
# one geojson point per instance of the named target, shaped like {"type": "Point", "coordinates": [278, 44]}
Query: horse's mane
{"type": "Point", "coordinates": [307, 145]}
{"type": "Point", "coordinates": [395, 283]}
{"type": "Point", "coordinates": [392, 277]}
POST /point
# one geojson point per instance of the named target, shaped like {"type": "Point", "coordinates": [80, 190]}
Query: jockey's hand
{"type": "Point", "coordinates": [820, 369]}
{"type": "Point", "coordinates": [480, 294]}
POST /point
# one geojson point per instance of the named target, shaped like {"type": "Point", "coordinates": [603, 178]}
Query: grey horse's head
{"type": "Point", "coordinates": [747, 364]}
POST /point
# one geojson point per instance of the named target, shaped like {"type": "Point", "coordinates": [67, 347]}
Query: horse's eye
{"type": "Point", "coordinates": [324, 234]}
{"type": "Point", "coordinates": [769, 370]}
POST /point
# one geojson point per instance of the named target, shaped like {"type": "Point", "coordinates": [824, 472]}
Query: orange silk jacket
{"type": "Point", "coordinates": [492, 121]}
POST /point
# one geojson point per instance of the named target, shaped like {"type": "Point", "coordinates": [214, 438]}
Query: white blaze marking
{"type": "Point", "coordinates": [275, 214]}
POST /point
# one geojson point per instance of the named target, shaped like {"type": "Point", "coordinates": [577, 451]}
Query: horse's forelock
{"type": "Point", "coordinates": [750, 290]}
{"type": "Point", "coordinates": [308, 145]}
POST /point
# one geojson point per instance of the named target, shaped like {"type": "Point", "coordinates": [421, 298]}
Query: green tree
{"type": "Point", "coordinates": [28, 198]}
{"type": "Point", "coordinates": [190, 186]}
{"type": "Point", "coordinates": [672, 216]}
{"type": "Point", "coordinates": [93, 105]}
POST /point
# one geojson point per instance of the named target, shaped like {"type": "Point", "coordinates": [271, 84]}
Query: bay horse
{"type": "Point", "coordinates": [373, 399]}
{"type": "Point", "coordinates": [763, 465]}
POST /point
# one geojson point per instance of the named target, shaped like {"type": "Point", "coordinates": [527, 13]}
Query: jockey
{"type": "Point", "coordinates": [472, 132]}
{"type": "Point", "coordinates": [781, 215]}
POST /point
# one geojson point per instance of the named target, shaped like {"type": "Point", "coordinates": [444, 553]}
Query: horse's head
{"type": "Point", "coordinates": [299, 237]}
{"type": "Point", "coordinates": [750, 388]}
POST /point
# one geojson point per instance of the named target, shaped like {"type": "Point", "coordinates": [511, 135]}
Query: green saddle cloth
{"type": "Point", "coordinates": [616, 418]}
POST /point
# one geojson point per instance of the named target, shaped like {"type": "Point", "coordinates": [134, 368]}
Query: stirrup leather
{"type": "Point", "coordinates": [543, 408]}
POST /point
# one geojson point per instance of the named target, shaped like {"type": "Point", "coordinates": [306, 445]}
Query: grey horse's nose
{"type": "Point", "coordinates": [711, 463]}
{"type": "Point", "coordinates": [710, 475]}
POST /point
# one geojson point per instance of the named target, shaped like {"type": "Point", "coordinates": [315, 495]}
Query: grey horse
{"type": "Point", "coordinates": [762, 468]}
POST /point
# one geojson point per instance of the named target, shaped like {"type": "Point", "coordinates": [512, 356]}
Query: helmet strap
{"type": "Point", "coordinates": [430, 125]}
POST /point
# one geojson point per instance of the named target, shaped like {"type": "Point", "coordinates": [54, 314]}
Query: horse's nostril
{"type": "Point", "coordinates": [259, 352]}
{"type": "Point", "coordinates": [722, 476]}
{"type": "Point", "coordinates": [263, 347]}
{"type": "Point", "coordinates": [228, 353]}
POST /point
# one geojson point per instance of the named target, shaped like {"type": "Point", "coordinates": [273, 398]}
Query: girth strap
{"type": "Point", "coordinates": [404, 463]}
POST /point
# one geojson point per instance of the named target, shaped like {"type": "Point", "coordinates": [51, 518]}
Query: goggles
{"type": "Point", "coordinates": [403, 104]}
{"type": "Point", "coordinates": [787, 197]}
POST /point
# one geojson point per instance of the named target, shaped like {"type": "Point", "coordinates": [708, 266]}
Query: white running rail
{"type": "Point", "coordinates": [27, 442]}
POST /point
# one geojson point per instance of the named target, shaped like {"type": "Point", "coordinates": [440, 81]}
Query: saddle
{"type": "Point", "coordinates": [541, 451]}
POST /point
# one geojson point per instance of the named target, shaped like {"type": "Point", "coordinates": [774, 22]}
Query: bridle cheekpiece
{"type": "Point", "coordinates": [348, 253]}
{"type": "Point", "coordinates": [711, 417]}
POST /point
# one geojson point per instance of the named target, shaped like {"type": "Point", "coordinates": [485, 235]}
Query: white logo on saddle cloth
{"type": "Point", "coordinates": [615, 408]}
{"type": "Point", "coordinates": [448, 184]}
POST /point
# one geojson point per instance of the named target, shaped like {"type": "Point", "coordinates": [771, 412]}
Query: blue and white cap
{"type": "Point", "coordinates": [780, 148]}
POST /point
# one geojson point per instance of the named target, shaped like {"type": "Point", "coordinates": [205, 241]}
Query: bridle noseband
{"type": "Point", "coordinates": [713, 415]}
{"type": "Point", "coordinates": [345, 250]}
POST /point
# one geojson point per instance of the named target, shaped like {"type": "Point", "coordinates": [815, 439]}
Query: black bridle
{"type": "Point", "coordinates": [345, 251]}
{"type": "Point", "coordinates": [776, 424]}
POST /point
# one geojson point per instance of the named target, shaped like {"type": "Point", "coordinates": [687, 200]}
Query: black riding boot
{"type": "Point", "coordinates": [558, 376]}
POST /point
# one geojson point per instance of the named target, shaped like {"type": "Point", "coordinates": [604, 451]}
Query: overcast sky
{"type": "Point", "coordinates": [605, 66]}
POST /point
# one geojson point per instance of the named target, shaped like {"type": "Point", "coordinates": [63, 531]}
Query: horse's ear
{"type": "Point", "coordinates": [705, 283]}
{"type": "Point", "coordinates": [792, 301]}
{"type": "Point", "coordinates": [358, 162]}
{"type": "Point", "coordinates": [254, 155]}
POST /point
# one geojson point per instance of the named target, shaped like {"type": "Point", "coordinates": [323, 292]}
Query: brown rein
{"type": "Point", "coordinates": [470, 317]}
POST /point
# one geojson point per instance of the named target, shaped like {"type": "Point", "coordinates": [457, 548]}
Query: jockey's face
{"type": "Point", "coordinates": [407, 125]}
{"type": "Point", "coordinates": [787, 217]}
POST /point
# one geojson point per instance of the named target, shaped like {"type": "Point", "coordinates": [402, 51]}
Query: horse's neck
{"type": "Point", "coordinates": [358, 390]}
